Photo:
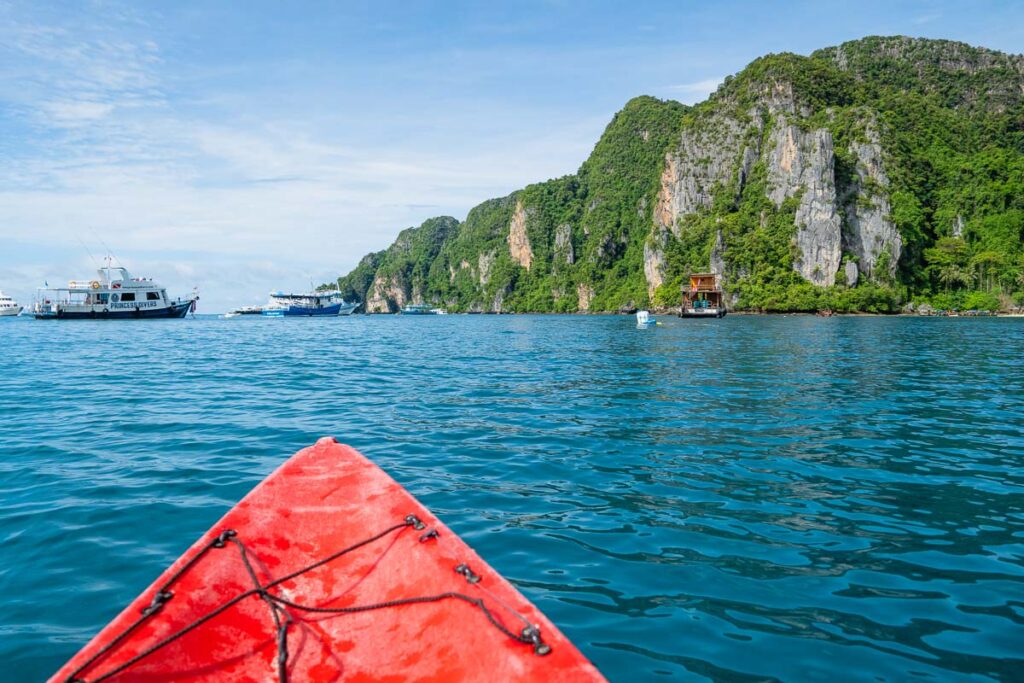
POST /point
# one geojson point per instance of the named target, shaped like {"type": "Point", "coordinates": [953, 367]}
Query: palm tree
{"type": "Point", "coordinates": [987, 263]}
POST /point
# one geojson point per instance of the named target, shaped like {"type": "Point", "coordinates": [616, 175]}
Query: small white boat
{"type": "Point", "coordinates": [419, 309]}
{"type": "Point", "coordinates": [244, 310]}
{"type": "Point", "coordinates": [644, 320]}
{"type": "Point", "coordinates": [8, 307]}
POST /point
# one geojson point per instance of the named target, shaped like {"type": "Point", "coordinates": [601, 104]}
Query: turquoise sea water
{"type": "Point", "coordinates": [754, 498]}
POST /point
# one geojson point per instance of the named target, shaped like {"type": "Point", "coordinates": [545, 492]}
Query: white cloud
{"type": "Point", "coordinates": [250, 194]}
{"type": "Point", "coordinates": [927, 18]}
{"type": "Point", "coordinates": [71, 112]}
{"type": "Point", "coordinates": [697, 91]}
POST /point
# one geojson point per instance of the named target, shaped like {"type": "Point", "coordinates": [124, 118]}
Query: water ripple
{"type": "Point", "coordinates": [752, 499]}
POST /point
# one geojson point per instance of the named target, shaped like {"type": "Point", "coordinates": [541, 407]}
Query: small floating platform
{"type": "Point", "coordinates": [644, 319]}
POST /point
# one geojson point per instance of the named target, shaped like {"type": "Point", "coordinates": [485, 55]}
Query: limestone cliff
{"type": "Point", "coordinates": [722, 156]}
{"type": "Point", "coordinates": [654, 262]}
{"type": "Point", "coordinates": [584, 295]}
{"type": "Point", "coordinates": [484, 263]}
{"type": "Point", "coordinates": [518, 240]}
{"type": "Point", "coordinates": [703, 162]}
{"type": "Point", "coordinates": [564, 252]}
{"type": "Point", "coordinates": [805, 182]}
{"type": "Point", "coordinates": [871, 236]}
{"type": "Point", "coordinates": [719, 157]}
{"type": "Point", "coordinates": [386, 295]}
{"type": "Point", "coordinates": [803, 162]}
{"type": "Point", "coordinates": [400, 270]}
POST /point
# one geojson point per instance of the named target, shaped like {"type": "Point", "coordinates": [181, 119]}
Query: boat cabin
{"type": "Point", "coordinates": [702, 297]}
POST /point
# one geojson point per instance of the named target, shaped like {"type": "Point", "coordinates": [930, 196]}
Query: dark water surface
{"type": "Point", "coordinates": [749, 499]}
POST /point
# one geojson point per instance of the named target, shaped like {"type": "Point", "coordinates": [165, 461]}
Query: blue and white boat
{"type": "Point", "coordinates": [307, 305]}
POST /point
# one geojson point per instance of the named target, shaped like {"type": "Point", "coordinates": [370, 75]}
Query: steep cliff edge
{"type": "Point", "coordinates": [858, 178]}
{"type": "Point", "coordinates": [388, 280]}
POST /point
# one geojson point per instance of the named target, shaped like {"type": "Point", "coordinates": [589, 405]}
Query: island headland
{"type": "Point", "coordinates": [881, 175]}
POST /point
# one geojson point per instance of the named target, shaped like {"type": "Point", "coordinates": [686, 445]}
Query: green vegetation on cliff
{"type": "Point", "coordinates": [356, 284]}
{"type": "Point", "coordinates": [862, 177]}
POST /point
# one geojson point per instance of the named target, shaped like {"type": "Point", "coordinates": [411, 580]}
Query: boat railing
{"type": "Point", "coordinates": [55, 296]}
{"type": "Point", "coordinates": [87, 284]}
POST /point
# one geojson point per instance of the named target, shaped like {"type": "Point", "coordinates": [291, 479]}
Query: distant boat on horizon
{"type": "Point", "coordinates": [9, 308]}
{"type": "Point", "coordinates": [324, 303]}
{"type": "Point", "coordinates": [244, 310]}
{"type": "Point", "coordinates": [422, 309]}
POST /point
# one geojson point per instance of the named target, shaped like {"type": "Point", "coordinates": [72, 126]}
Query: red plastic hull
{"type": "Point", "coordinates": [325, 498]}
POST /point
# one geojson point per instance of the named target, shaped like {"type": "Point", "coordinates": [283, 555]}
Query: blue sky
{"type": "Point", "coordinates": [244, 147]}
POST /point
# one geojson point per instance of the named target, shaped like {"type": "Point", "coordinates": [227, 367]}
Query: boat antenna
{"type": "Point", "coordinates": [86, 247]}
{"type": "Point", "coordinates": [110, 253]}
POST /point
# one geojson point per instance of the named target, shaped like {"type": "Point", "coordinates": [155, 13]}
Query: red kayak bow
{"type": "Point", "coordinates": [329, 571]}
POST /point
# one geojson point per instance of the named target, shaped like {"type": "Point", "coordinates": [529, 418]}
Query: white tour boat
{"type": "Point", "coordinates": [8, 306]}
{"type": "Point", "coordinates": [113, 294]}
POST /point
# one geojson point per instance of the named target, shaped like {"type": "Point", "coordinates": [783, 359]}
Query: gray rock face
{"type": "Point", "coordinates": [718, 256]}
{"type": "Point", "coordinates": [484, 263]}
{"type": "Point", "coordinates": [778, 98]}
{"type": "Point", "coordinates": [386, 295]}
{"type": "Point", "coordinates": [563, 245]}
{"type": "Point", "coordinates": [654, 265]}
{"type": "Point", "coordinates": [717, 264]}
{"type": "Point", "coordinates": [706, 156]}
{"type": "Point", "coordinates": [870, 231]}
{"type": "Point", "coordinates": [584, 295]}
{"type": "Point", "coordinates": [852, 274]}
{"type": "Point", "coordinates": [724, 150]}
{"type": "Point", "coordinates": [750, 157]}
{"type": "Point", "coordinates": [609, 248]}
{"type": "Point", "coordinates": [802, 161]}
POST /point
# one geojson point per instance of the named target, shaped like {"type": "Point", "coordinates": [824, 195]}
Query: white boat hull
{"type": "Point", "coordinates": [711, 312]}
{"type": "Point", "coordinates": [177, 309]}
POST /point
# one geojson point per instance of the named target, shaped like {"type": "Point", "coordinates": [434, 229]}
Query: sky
{"type": "Point", "coordinates": [247, 147]}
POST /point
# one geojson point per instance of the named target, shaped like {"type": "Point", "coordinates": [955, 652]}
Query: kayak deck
{"type": "Point", "coordinates": [329, 570]}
